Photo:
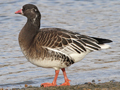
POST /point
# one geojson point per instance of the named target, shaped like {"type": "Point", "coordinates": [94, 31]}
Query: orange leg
{"type": "Point", "coordinates": [66, 83]}
{"type": "Point", "coordinates": [54, 81]}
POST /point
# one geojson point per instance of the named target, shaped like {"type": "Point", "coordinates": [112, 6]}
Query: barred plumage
{"type": "Point", "coordinates": [54, 47]}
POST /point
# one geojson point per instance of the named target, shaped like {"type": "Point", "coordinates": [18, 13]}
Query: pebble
{"type": "Point", "coordinates": [93, 80]}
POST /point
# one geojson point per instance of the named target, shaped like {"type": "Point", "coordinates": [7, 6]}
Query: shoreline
{"type": "Point", "coordinates": [87, 86]}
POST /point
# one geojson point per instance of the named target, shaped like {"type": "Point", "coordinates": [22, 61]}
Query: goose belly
{"type": "Point", "coordinates": [47, 63]}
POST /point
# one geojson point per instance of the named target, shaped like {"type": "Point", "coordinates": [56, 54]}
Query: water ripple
{"type": "Point", "coordinates": [98, 18]}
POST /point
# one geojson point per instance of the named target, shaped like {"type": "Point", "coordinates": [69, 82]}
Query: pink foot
{"type": "Point", "coordinates": [48, 84]}
{"type": "Point", "coordinates": [66, 83]}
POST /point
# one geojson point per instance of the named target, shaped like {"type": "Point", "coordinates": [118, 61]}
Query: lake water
{"type": "Point", "coordinates": [99, 18]}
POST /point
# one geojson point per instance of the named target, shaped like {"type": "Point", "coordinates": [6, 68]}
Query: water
{"type": "Point", "coordinates": [100, 18]}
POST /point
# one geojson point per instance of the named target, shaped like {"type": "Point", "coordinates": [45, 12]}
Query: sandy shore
{"type": "Point", "coordinates": [87, 86]}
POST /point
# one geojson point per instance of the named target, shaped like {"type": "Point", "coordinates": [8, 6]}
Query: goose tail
{"type": "Point", "coordinates": [102, 42]}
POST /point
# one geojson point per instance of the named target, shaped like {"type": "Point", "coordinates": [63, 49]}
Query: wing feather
{"type": "Point", "coordinates": [67, 42]}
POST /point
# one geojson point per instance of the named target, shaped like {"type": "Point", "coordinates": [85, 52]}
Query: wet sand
{"type": "Point", "coordinates": [87, 86]}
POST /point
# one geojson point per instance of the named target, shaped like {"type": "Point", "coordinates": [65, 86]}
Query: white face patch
{"type": "Point", "coordinates": [22, 10]}
{"type": "Point", "coordinates": [35, 9]}
{"type": "Point", "coordinates": [35, 18]}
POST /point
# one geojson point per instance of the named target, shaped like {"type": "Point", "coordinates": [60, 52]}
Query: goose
{"type": "Point", "coordinates": [54, 47]}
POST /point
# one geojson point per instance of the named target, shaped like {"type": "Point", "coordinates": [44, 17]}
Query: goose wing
{"type": "Point", "coordinates": [66, 42]}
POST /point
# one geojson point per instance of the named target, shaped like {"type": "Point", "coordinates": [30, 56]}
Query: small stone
{"type": "Point", "coordinates": [26, 85]}
{"type": "Point", "coordinates": [112, 80]}
{"type": "Point", "coordinates": [93, 80]}
{"type": "Point", "coordinates": [86, 82]}
{"type": "Point", "coordinates": [99, 80]}
{"type": "Point", "coordinates": [89, 83]}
